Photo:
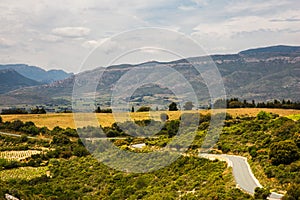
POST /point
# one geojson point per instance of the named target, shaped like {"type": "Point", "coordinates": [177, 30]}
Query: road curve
{"type": "Point", "coordinates": [14, 135]}
{"type": "Point", "coordinates": [18, 135]}
{"type": "Point", "coordinates": [242, 173]}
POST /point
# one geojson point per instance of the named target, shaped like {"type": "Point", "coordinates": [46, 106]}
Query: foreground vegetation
{"type": "Point", "coordinates": [188, 178]}
{"type": "Point", "coordinates": [65, 170]}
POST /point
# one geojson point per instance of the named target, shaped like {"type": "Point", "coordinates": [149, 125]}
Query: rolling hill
{"type": "Point", "coordinates": [260, 74]}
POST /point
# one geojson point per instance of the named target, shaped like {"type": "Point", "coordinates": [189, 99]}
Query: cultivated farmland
{"type": "Point", "coordinates": [65, 120]}
{"type": "Point", "coordinates": [18, 155]}
{"type": "Point", "coordinates": [23, 173]}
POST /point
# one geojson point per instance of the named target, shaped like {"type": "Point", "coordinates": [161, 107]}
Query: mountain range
{"type": "Point", "coordinates": [259, 74]}
{"type": "Point", "coordinates": [36, 73]}
{"type": "Point", "coordinates": [12, 80]}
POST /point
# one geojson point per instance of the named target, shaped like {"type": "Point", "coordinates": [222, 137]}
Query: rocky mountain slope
{"type": "Point", "coordinates": [260, 74]}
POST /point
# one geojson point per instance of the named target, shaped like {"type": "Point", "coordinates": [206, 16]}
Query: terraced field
{"type": "Point", "coordinates": [18, 155]}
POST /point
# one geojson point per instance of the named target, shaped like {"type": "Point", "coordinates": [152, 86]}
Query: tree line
{"type": "Point", "coordinates": [36, 110]}
{"type": "Point", "coordinates": [236, 103]}
{"type": "Point", "coordinates": [220, 103]}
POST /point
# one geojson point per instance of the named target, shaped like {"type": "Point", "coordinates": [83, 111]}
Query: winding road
{"type": "Point", "coordinates": [242, 173]}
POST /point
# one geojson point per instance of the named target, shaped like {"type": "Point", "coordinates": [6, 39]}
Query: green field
{"type": "Point", "coordinates": [23, 173]}
{"type": "Point", "coordinates": [295, 117]}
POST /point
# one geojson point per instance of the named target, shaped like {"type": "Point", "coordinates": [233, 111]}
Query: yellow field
{"type": "Point", "coordinates": [65, 120]}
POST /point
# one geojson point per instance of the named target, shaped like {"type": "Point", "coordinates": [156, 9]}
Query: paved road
{"type": "Point", "coordinates": [242, 173]}
{"type": "Point", "coordinates": [15, 135]}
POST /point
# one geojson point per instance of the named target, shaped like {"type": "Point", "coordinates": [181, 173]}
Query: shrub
{"type": "Point", "coordinates": [283, 152]}
{"type": "Point", "coordinates": [16, 125]}
{"type": "Point", "coordinates": [261, 193]}
{"type": "Point", "coordinates": [32, 130]}
{"type": "Point", "coordinates": [262, 115]}
{"type": "Point", "coordinates": [61, 140]}
{"type": "Point", "coordinates": [173, 107]}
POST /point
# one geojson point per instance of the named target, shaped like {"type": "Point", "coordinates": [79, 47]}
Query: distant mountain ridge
{"type": "Point", "coordinates": [273, 49]}
{"type": "Point", "coordinates": [260, 74]}
{"type": "Point", "coordinates": [36, 73]}
{"type": "Point", "coordinates": [12, 80]}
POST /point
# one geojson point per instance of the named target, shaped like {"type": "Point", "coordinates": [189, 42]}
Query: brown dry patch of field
{"type": "Point", "coordinates": [65, 120]}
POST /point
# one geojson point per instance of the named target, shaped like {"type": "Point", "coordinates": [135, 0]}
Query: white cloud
{"type": "Point", "coordinates": [71, 31]}
{"type": "Point", "coordinates": [254, 6]}
{"type": "Point", "coordinates": [241, 24]}
{"type": "Point", "coordinates": [49, 30]}
{"type": "Point", "coordinates": [201, 2]}
{"type": "Point", "coordinates": [90, 44]}
{"type": "Point", "coordinates": [6, 43]}
{"type": "Point", "coordinates": [187, 8]}
{"type": "Point", "coordinates": [50, 38]}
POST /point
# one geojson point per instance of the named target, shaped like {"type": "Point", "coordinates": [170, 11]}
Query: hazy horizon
{"type": "Point", "coordinates": [141, 62]}
{"type": "Point", "coordinates": [52, 35]}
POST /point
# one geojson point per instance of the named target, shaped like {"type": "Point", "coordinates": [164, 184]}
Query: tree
{"type": "Point", "coordinates": [283, 152]}
{"type": "Point", "coordinates": [261, 193]}
{"type": "Point", "coordinates": [33, 130]}
{"type": "Point", "coordinates": [253, 103]}
{"type": "Point", "coordinates": [16, 125]}
{"type": "Point", "coordinates": [80, 151]}
{"type": "Point", "coordinates": [188, 105]}
{"type": "Point", "coordinates": [1, 121]}
{"type": "Point", "coordinates": [61, 140]}
{"type": "Point", "coordinates": [173, 107]}
{"type": "Point", "coordinates": [235, 104]}
{"type": "Point", "coordinates": [98, 110]}
{"type": "Point", "coordinates": [38, 111]}
{"type": "Point", "coordinates": [132, 109]}
{"type": "Point", "coordinates": [262, 115]}
{"type": "Point", "coordinates": [143, 109]}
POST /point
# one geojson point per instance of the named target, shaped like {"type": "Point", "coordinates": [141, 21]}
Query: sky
{"type": "Point", "coordinates": [61, 34]}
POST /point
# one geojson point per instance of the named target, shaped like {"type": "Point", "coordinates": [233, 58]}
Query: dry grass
{"type": "Point", "coordinates": [65, 120]}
